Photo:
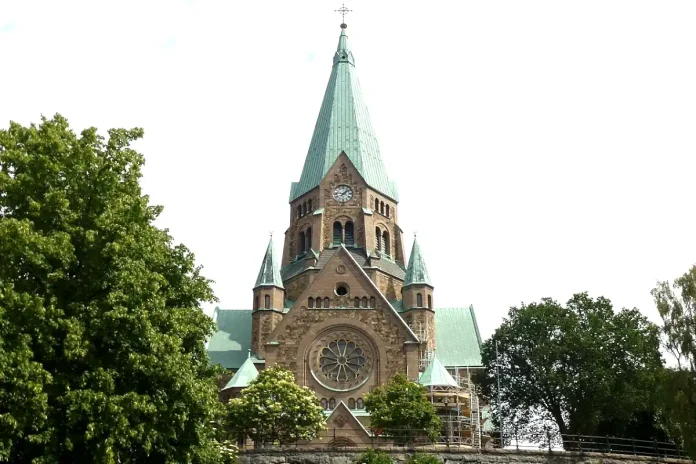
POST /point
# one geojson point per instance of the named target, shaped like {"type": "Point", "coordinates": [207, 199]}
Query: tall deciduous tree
{"type": "Point", "coordinates": [581, 366]}
{"type": "Point", "coordinates": [273, 408]}
{"type": "Point", "coordinates": [102, 355]}
{"type": "Point", "coordinates": [401, 409]}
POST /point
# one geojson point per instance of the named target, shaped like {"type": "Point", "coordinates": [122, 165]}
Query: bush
{"type": "Point", "coordinates": [372, 456]}
{"type": "Point", "coordinates": [423, 458]}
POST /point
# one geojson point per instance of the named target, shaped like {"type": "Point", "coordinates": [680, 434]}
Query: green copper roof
{"type": "Point", "coordinates": [244, 375]}
{"type": "Point", "coordinates": [270, 269]}
{"type": "Point", "coordinates": [343, 125]}
{"type": "Point", "coordinates": [416, 272]}
{"type": "Point", "coordinates": [457, 337]}
{"type": "Point", "coordinates": [435, 375]}
{"type": "Point", "coordinates": [230, 345]}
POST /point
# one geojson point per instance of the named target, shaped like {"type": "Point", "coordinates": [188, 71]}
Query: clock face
{"type": "Point", "coordinates": [342, 193]}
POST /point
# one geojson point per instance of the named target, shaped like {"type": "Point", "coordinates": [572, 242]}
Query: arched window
{"type": "Point", "coordinates": [326, 302]}
{"type": "Point", "coordinates": [376, 205]}
{"type": "Point", "coordinates": [351, 403]}
{"type": "Point", "coordinates": [372, 302]}
{"type": "Point", "coordinates": [359, 403]}
{"type": "Point", "coordinates": [350, 241]}
{"type": "Point", "coordinates": [337, 233]}
{"type": "Point", "coordinates": [256, 302]}
{"type": "Point", "coordinates": [430, 302]}
{"type": "Point", "coordinates": [378, 238]}
{"type": "Point", "coordinates": [419, 300]}
{"type": "Point", "coordinates": [364, 302]}
{"type": "Point", "coordinates": [332, 403]}
{"type": "Point", "coordinates": [308, 239]}
{"type": "Point", "coordinates": [299, 210]}
{"type": "Point", "coordinates": [324, 404]}
{"type": "Point", "coordinates": [356, 302]}
{"type": "Point", "coordinates": [318, 302]}
{"type": "Point", "coordinates": [387, 210]}
{"type": "Point", "coordinates": [267, 301]}
{"type": "Point", "coordinates": [304, 208]}
{"type": "Point", "coordinates": [386, 248]}
{"type": "Point", "coordinates": [301, 243]}
{"type": "Point", "coordinates": [310, 302]}
{"type": "Point", "coordinates": [381, 207]}
{"type": "Point", "coordinates": [309, 206]}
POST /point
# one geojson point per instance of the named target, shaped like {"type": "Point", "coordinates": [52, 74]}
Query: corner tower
{"type": "Point", "coordinates": [269, 301]}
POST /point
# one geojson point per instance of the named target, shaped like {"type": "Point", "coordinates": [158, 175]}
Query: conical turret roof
{"type": "Point", "coordinates": [343, 125]}
{"type": "Point", "coordinates": [435, 375]}
{"type": "Point", "coordinates": [269, 274]}
{"type": "Point", "coordinates": [416, 272]}
{"type": "Point", "coordinates": [243, 377]}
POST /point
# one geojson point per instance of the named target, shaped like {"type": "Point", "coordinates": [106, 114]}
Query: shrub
{"type": "Point", "coordinates": [423, 458]}
{"type": "Point", "coordinates": [372, 456]}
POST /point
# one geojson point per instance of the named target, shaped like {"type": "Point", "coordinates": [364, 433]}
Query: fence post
{"type": "Point", "coordinates": [657, 452]}
{"type": "Point", "coordinates": [608, 445]}
{"type": "Point", "coordinates": [548, 437]}
{"type": "Point", "coordinates": [633, 445]}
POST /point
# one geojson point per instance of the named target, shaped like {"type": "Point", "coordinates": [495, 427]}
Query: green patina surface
{"type": "Point", "coordinates": [269, 274]}
{"type": "Point", "coordinates": [343, 125]}
{"type": "Point", "coordinates": [457, 337]}
{"type": "Point", "coordinates": [230, 345]}
{"type": "Point", "coordinates": [416, 272]}
{"type": "Point", "coordinates": [243, 377]}
{"type": "Point", "coordinates": [436, 375]}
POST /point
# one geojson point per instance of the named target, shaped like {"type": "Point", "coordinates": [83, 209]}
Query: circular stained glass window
{"type": "Point", "coordinates": [342, 360]}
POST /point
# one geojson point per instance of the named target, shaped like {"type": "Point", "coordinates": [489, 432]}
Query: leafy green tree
{"type": "Point", "coordinates": [423, 458]}
{"type": "Point", "coordinates": [581, 367]}
{"type": "Point", "coordinates": [273, 408]}
{"type": "Point", "coordinates": [102, 355]}
{"type": "Point", "coordinates": [372, 456]}
{"type": "Point", "coordinates": [677, 306]}
{"type": "Point", "coordinates": [402, 410]}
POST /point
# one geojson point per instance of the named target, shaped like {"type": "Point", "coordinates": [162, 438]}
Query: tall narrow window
{"type": "Point", "coordinates": [356, 302]}
{"type": "Point", "coordinates": [386, 248]}
{"type": "Point", "coordinates": [324, 403]}
{"type": "Point", "coordinates": [337, 233]}
{"type": "Point", "coordinates": [430, 302]}
{"type": "Point", "coordinates": [267, 302]}
{"type": "Point", "coordinates": [419, 300]}
{"type": "Point", "coordinates": [372, 302]}
{"type": "Point", "coordinates": [299, 210]}
{"type": "Point", "coordinates": [351, 403]}
{"type": "Point", "coordinates": [332, 403]}
{"type": "Point", "coordinates": [309, 206]}
{"type": "Point", "coordinates": [387, 207]}
{"type": "Point", "coordinates": [256, 302]}
{"type": "Point", "coordinates": [308, 239]}
{"type": "Point", "coordinates": [310, 302]}
{"type": "Point", "coordinates": [364, 302]}
{"type": "Point", "coordinates": [304, 208]}
{"type": "Point", "coordinates": [301, 243]}
{"type": "Point", "coordinates": [326, 302]}
{"type": "Point", "coordinates": [376, 205]}
{"type": "Point", "coordinates": [378, 239]}
{"type": "Point", "coordinates": [318, 302]}
{"type": "Point", "coordinates": [359, 403]}
{"type": "Point", "coordinates": [350, 241]}
{"type": "Point", "coordinates": [381, 207]}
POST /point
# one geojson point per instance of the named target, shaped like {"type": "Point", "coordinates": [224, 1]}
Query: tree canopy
{"type": "Point", "coordinates": [401, 409]}
{"type": "Point", "coordinates": [102, 355]}
{"type": "Point", "coordinates": [273, 408]}
{"type": "Point", "coordinates": [582, 366]}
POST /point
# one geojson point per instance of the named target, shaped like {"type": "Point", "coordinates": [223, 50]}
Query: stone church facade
{"type": "Point", "coordinates": [343, 309]}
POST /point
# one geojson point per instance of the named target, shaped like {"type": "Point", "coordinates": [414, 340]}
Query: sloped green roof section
{"type": "Point", "coordinates": [269, 274]}
{"type": "Point", "coordinates": [244, 375]}
{"type": "Point", "coordinates": [457, 336]}
{"type": "Point", "coordinates": [343, 125]}
{"type": "Point", "coordinates": [416, 272]}
{"type": "Point", "coordinates": [230, 345]}
{"type": "Point", "coordinates": [435, 375]}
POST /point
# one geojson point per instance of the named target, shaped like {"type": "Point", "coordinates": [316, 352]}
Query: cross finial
{"type": "Point", "coordinates": [344, 11]}
{"type": "Point", "coordinates": [270, 232]}
{"type": "Point", "coordinates": [415, 234]}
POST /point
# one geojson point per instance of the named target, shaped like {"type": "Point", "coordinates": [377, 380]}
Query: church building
{"type": "Point", "coordinates": [345, 309]}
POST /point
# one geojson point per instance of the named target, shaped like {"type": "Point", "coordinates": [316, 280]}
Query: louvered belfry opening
{"type": "Point", "coordinates": [378, 238]}
{"type": "Point", "coordinates": [350, 240]}
{"type": "Point", "coordinates": [337, 233]}
{"type": "Point", "coordinates": [386, 247]}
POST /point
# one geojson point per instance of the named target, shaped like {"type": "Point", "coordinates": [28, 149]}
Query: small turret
{"type": "Point", "coordinates": [269, 300]}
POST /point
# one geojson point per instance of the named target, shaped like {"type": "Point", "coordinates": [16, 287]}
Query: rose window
{"type": "Point", "coordinates": [342, 360]}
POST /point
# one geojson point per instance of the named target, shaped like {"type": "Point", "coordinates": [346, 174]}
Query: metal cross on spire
{"type": "Point", "coordinates": [344, 11]}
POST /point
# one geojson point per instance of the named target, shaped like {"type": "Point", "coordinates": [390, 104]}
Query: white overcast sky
{"type": "Point", "coordinates": [541, 148]}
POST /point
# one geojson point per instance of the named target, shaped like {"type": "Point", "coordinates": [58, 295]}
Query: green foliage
{"type": "Point", "coordinates": [102, 355]}
{"type": "Point", "coordinates": [372, 456]}
{"type": "Point", "coordinates": [677, 306]}
{"type": "Point", "coordinates": [424, 458]}
{"type": "Point", "coordinates": [273, 408]}
{"type": "Point", "coordinates": [582, 367]}
{"type": "Point", "coordinates": [401, 409]}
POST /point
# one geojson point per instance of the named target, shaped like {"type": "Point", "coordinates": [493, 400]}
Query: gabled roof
{"type": "Point", "coordinates": [230, 345]}
{"type": "Point", "coordinates": [343, 125]}
{"type": "Point", "coordinates": [269, 274]}
{"type": "Point", "coordinates": [244, 375]}
{"type": "Point", "coordinates": [457, 336]}
{"type": "Point", "coordinates": [435, 375]}
{"type": "Point", "coordinates": [416, 272]}
{"type": "Point", "coordinates": [349, 417]}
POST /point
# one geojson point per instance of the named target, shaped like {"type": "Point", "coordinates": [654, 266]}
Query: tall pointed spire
{"type": "Point", "coordinates": [416, 272]}
{"type": "Point", "coordinates": [343, 125]}
{"type": "Point", "coordinates": [270, 269]}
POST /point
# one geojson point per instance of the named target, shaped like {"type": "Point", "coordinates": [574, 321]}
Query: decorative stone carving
{"type": "Point", "coordinates": [341, 269]}
{"type": "Point", "coordinates": [340, 421]}
{"type": "Point", "coordinates": [341, 359]}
